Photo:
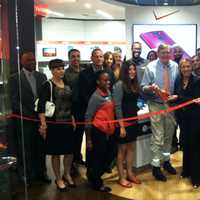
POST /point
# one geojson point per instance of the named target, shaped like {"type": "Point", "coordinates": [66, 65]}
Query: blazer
{"type": "Point", "coordinates": [27, 96]}
{"type": "Point", "coordinates": [192, 91]}
{"type": "Point", "coordinates": [86, 86]}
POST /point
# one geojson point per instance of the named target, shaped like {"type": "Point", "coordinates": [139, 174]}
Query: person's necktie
{"type": "Point", "coordinates": [166, 79]}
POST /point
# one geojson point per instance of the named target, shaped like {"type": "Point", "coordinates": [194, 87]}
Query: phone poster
{"type": "Point", "coordinates": [151, 36]}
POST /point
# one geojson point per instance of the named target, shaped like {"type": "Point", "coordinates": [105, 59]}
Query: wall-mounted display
{"type": "Point", "coordinates": [59, 49]}
{"type": "Point", "coordinates": [151, 36]}
{"type": "Point", "coordinates": [49, 52]}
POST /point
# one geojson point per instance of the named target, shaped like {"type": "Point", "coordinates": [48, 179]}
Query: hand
{"type": "Point", "coordinates": [172, 98]}
{"type": "Point", "coordinates": [122, 132]}
{"type": "Point", "coordinates": [43, 130]}
{"type": "Point", "coordinates": [197, 101]}
{"type": "Point", "coordinates": [155, 88]}
{"type": "Point", "coordinates": [74, 125]}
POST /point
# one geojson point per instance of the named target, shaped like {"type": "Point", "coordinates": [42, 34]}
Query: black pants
{"type": "Point", "coordinates": [35, 163]}
{"type": "Point", "coordinates": [191, 149]}
{"type": "Point", "coordinates": [98, 158]}
{"type": "Point", "coordinates": [111, 152]}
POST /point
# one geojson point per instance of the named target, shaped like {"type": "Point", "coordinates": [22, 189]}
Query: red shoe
{"type": "Point", "coordinates": [126, 185]}
{"type": "Point", "coordinates": [134, 179]}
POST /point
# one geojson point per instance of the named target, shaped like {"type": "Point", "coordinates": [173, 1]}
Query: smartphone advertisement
{"type": "Point", "coordinates": [151, 36]}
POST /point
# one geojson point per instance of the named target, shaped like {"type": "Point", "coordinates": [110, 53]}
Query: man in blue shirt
{"type": "Point", "coordinates": [158, 83]}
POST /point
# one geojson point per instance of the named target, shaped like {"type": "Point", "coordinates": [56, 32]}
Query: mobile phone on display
{"type": "Point", "coordinates": [154, 38]}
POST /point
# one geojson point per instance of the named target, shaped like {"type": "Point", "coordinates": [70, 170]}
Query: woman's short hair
{"type": "Point", "coordinates": [55, 63]}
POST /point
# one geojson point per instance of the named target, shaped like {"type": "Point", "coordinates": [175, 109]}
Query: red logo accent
{"type": "Point", "coordinates": [163, 16]}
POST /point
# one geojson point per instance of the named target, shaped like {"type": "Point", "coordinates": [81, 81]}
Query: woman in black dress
{"type": "Point", "coordinates": [59, 138]}
{"type": "Point", "coordinates": [125, 94]}
{"type": "Point", "coordinates": [187, 87]}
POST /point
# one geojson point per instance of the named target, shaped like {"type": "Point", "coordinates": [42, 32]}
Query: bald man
{"type": "Point", "coordinates": [24, 90]}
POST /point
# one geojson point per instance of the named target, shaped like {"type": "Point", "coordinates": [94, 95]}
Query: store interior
{"type": "Point", "coordinates": [50, 29]}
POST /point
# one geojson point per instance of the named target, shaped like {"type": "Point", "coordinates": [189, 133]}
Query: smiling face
{"type": "Point", "coordinates": [58, 72]}
{"type": "Point", "coordinates": [109, 60]}
{"type": "Point", "coordinates": [178, 53]}
{"type": "Point", "coordinates": [117, 58]}
{"type": "Point", "coordinates": [103, 82]}
{"type": "Point", "coordinates": [196, 68]}
{"type": "Point", "coordinates": [136, 49]}
{"type": "Point", "coordinates": [152, 56]}
{"type": "Point", "coordinates": [132, 72]}
{"type": "Point", "coordinates": [164, 54]}
{"type": "Point", "coordinates": [28, 61]}
{"type": "Point", "coordinates": [186, 68]}
{"type": "Point", "coordinates": [97, 58]}
{"type": "Point", "coordinates": [74, 58]}
{"type": "Point", "coordinates": [195, 61]}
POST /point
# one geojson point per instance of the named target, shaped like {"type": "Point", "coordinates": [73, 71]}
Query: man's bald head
{"type": "Point", "coordinates": [28, 61]}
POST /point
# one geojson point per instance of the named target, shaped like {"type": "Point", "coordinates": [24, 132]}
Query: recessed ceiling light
{"type": "Point", "coordinates": [88, 5]}
{"type": "Point", "coordinates": [165, 4]}
{"type": "Point", "coordinates": [104, 14]}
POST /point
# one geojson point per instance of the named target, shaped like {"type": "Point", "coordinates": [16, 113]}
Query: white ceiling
{"type": "Point", "coordinates": [78, 10]}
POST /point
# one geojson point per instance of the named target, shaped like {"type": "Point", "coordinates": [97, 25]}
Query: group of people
{"type": "Point", "coordinates": [106, 89]}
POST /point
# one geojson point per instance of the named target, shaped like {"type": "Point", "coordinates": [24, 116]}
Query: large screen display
{"type": "Point", "coordinates": [151, 36]}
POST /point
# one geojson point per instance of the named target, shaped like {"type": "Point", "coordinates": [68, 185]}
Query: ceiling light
{"type": "Point", "coordinates": [104, 14]}
{"type": "Point", "coordinates": [165, 3]}
{"type": "Point", "coordinates": [87, 5]}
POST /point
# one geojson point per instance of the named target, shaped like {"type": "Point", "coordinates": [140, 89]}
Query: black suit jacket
{"type": "Point", "coordinates": [86, 86]}
{"type": "Point", "coordinates": [192, 91]}
{"type": "Point", "coordinates": [27, 96]}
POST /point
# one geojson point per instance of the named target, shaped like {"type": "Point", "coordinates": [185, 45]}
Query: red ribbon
{"type": "Point", "coordinates": [134, 118]}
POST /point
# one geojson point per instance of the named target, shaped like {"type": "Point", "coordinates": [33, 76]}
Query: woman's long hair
{"type": "Point", "coordinates": [130, 85]}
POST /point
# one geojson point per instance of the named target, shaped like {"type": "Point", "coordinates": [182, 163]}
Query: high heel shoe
{"type": "Point", "coordinates": [59, 188]}
{"type": "Point", "coordinates": [72, 185]}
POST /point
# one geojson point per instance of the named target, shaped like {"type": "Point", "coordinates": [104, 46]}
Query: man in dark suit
{"type": "Point", "coordinates": [71, 78]}
{"type": "Point", "coordinates": [24, 90]}
{"type": "Point", "coordinates": [86, 87]}
{"type": "Point", "coordinates": [87, 77]}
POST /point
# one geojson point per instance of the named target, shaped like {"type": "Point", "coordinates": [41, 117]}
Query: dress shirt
{"type": "Point", "coordinates": [154, 75]}
{"type": "Point", "coordinates": [32, 81]}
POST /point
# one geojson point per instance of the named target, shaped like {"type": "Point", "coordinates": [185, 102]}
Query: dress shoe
{"type": "Point", "coordinates": [103, 189]}
{"type": "Point", "coordinates": [44, 179]}
{"type": "Point", "coordinates": [168, 167]}
{"type": "Point", "coordinates": [157, 173]}
{"type": "Point", "coordinates": [195, 186]}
